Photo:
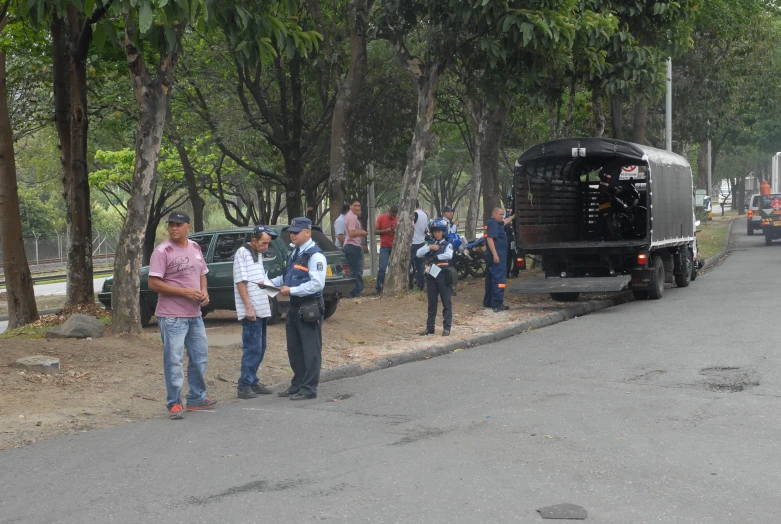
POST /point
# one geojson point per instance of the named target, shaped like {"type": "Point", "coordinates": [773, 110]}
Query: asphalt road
{"type": "Point", "coordinates": [654, 411]}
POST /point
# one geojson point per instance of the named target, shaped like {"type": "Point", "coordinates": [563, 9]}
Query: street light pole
{"type": "Point", "coordinates": [668, 128]}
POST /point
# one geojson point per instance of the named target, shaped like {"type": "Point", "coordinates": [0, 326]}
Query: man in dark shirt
{"type": "Point", "coordinates": [496, 260]}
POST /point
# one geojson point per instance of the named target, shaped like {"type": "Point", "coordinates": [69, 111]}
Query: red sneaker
{"type": "Point", "coordinates": [206, 404]}
{"type": "Point", "coordinates": [176, 412]}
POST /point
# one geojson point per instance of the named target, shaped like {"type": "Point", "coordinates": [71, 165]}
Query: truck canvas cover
{"type": "Point", "coordinates": [556, 203]}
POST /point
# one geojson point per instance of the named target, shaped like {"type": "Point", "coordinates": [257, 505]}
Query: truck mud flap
{"type": "Point", "coordinates": [571, 285]}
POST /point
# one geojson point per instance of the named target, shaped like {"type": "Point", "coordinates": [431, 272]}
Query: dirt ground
{"type": "Point", "coordinates": [115, 380]}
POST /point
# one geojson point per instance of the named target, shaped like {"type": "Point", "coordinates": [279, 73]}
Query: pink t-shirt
{"type": "Point", "coordinates": [180, 267]}
{"type": "Point", "coordinates": [352, 222]}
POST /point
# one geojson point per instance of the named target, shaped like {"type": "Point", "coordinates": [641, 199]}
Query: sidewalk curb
{"type": "Point", "coordinates": [355, 370]}
{"type": "Point", "coordinates": [714, 259]}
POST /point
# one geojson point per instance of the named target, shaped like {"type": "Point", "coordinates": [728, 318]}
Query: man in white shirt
{"type": "Point", "coordinates": [339, 229]}
{"type": "Point", "coordinates": [252, 308]}
{"type": "Point", "coordinates": [420, 220]}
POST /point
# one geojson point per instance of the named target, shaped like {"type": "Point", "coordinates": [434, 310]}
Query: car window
{"type": "Point", "coordinates": [320, 239]}
{"type": "Point", "coordinates": [227, 244]}
{"type": "Point", "coordinates": [270, 252]}
{"type": "Point", "coordinates": [755, 201]}
{"type": "Point", "coordinates": [203, 241]}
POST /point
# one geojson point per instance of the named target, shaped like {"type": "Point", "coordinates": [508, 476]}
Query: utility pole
{"type": "Point", "coordinates": [668, 128]}
{"type": "Point", "coordinates": [372, 219]}
{"type": "Point", "coordinates": [710, 183]}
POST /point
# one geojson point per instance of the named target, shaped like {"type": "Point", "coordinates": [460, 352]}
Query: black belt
{"type": "Point", "coordinates": [298, 301]}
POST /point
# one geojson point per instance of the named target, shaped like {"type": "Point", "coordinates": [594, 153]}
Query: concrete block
{"type": "Point", "coordinates": [39, 364]}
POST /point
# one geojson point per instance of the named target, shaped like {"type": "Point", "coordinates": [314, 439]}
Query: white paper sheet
{"type": "Point", "coordinates": [434, 271]}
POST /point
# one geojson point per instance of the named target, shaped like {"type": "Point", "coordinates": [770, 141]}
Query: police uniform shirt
{"type": "Point", "coordinates": [317, 268]}
{"type": "Point", "coordinates": [443, 255]}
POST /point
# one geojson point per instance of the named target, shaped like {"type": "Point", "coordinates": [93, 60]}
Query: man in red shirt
{"type": "Point", "coordinates": [386, 228]}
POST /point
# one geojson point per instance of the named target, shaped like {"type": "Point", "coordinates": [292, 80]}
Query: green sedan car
{"type": "Point", "coordinates": [219, 248]}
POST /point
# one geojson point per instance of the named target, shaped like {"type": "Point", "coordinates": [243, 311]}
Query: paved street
{"type": "Point", "coordinates": [655, 411]}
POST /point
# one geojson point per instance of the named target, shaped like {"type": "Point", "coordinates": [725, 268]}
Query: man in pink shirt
{"type": "Point", "coordinates": [177, 273]}
{"type": "Point", "coordinates": [353, 248]}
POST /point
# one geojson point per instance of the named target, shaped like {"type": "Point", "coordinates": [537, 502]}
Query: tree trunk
{"type": "Point", "coordinates": [489, 160]}
{"type": "Point", "coordinates": [740, 196]}
{"type": "Point", "coordinates": [427, 79]}
{"type": "Point", "coordinates": [20, 297]}
{"type": "Point", "coordinates": [570, 109]}
{"type": "Point", "coordinates": [152, 96]}
{"type": "Point", "coordinates": [70, 46]}
{"type": "Point", "coordinates": [311, 204]}
{"type": "Point", "coordinates": [702, 166]}
{"type": "Point", "coordinates": [342, 123]}
{"type": "Point", "coordinates": [617, 117]}
{"type": "Point", "coordinates": [149, 237]}
{"type": "Point", "coordinates": [196, 200]}
{"type": "Point", "coordinates": [640, 122]}
{"type": "Point", "coordinates": [477, 109]}
{"type": "Point", "coordinates": [599, 114]}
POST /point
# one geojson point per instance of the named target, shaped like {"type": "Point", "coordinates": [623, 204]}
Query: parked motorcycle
{"type": "Point", "coordinates": [621, 215]}
{"type": "Point", "coordinates": [468, 259]}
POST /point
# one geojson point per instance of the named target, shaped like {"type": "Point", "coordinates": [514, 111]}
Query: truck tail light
{"type": "Point", "coordinates": [750, 214]}
{"type": "Point", "coordinates": [520, 262]}
{"type": "Point", "coordinates": [642, 260]}
{"type": "Point", "coordinates": [345, 268]}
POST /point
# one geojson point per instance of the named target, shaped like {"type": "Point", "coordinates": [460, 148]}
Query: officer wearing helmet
{"type": "Point", "coordinates": [303, 282]}
{"type": "Point", "coordinates": [252, 309]}
{"type": "Point", "coordinates": [436, 257]}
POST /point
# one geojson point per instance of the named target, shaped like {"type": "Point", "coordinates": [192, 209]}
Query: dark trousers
{"type": "Point", "coordinates": [355, 259]}
{"type": "Point", "coordinates": [304, 351]}
{"type": "Point", "coordinates": [437, 288]}
{"type": "Point", "coordinates": [495, 282]}
{"type": "Point", "coordinates": [418, 262]}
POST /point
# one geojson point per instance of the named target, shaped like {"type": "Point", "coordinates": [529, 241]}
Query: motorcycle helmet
{"type": "Point", "coordinates": [438, 223]}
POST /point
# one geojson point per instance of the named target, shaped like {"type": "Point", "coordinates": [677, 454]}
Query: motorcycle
{"type": "Point", "coordinates": [622, 217]}
{"type": "Point", "coordinates": [468, 258]}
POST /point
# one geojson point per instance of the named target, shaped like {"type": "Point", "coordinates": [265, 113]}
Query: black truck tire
{"type": "Point", "coordinates": [565, 297]}
{"type": "Point", "coordinates": [330, 308]}
{"type": "Point", "coordinates": [144, 310]}
{"type": "Point", "coordinates": [276, 316]}
{"type": "Point", "coordinates": [656, 286]}
{"type": "Point", "coordinates": [683, 279]}
{"type": "Point", "coordinates": [640, 294]}
{"type": "Point", "coordinates": [768, 238]}
{"type": "Point", "coordinates": [750, 228]}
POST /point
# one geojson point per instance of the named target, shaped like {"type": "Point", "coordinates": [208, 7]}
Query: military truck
{"type": "Point", "coordinates": [604, 215]}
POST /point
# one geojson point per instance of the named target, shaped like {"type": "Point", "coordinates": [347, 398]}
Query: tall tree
{"type": "Point", "coordinates": [20, 297]}
{"type": "Point", "coordinates": [349, 89]}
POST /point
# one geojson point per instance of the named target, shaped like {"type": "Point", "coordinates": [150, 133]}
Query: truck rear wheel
{"type": "Point", "coordinates": [768, 238]}
{"type": "Point", "coordinates": [750, 228]}
{"type": "Point", "coordinates": [640, 294]}
{"type": "Point", "coordinates": [683, 278]}
{"type": "Point", "coordinates": [656, 286]}
{"type": "Point", "coordinates": [565, 297]}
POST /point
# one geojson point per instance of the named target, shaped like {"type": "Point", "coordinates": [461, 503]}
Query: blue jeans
{"type": "Point", "coordinates": [179, 333]}
{"type": "Point", "coordinates": [385, 253]}
{"type": "Point", "coordinates": [253, 347]}
{"type": "Point", "coordinates": [354, 256]}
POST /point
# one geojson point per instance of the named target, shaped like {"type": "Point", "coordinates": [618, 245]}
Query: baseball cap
{"type": "Point", "coordinates": [178, 217]}
{"type": "Point", "coordinates": [447, 209]}
{"type": "Point", "coordinates": [264, 229]}
{"type": "Point", "coordinates": [298, 224]}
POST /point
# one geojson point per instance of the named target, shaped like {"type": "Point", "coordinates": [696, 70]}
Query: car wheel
{"type": "Point", "coordinates": [144, 310]}
{"type": "Point", "coordinates": [276, 316]}
{"type": "Point", "coordinates": [750, 228]}
{"type": "Point", "coordinates": [656, 289]}
{"type": "Point", "coordinates": [768, 238]}
{"type": "Point", "coordinates": [330, 308]}
{"type": "Point", "coordinates": [565, 297]}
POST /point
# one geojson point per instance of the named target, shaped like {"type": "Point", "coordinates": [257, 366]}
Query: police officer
{"type": "Point", "coordinates": [303, 282]}
{"type": "Point", "coordinates": [436, 256]}
{"type": "Point", "coordinates": [452, 235]}
{"type": "Point", "coordinates": [495, 260]}
{"type": "Point", "coordinates": [452, 225]}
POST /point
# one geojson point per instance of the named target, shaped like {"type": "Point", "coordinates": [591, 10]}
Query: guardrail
{"type": "Point", "coordinates": [53, 278]}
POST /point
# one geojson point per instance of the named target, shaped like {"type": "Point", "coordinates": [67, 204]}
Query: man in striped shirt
{"type": "Point", "coordinates": [252, 308]}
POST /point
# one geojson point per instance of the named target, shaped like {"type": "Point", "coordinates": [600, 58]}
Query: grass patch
{"type": "Point", "coordinates": [30, 331]}
{"type": "Point", "coordinates": [712, 237]}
